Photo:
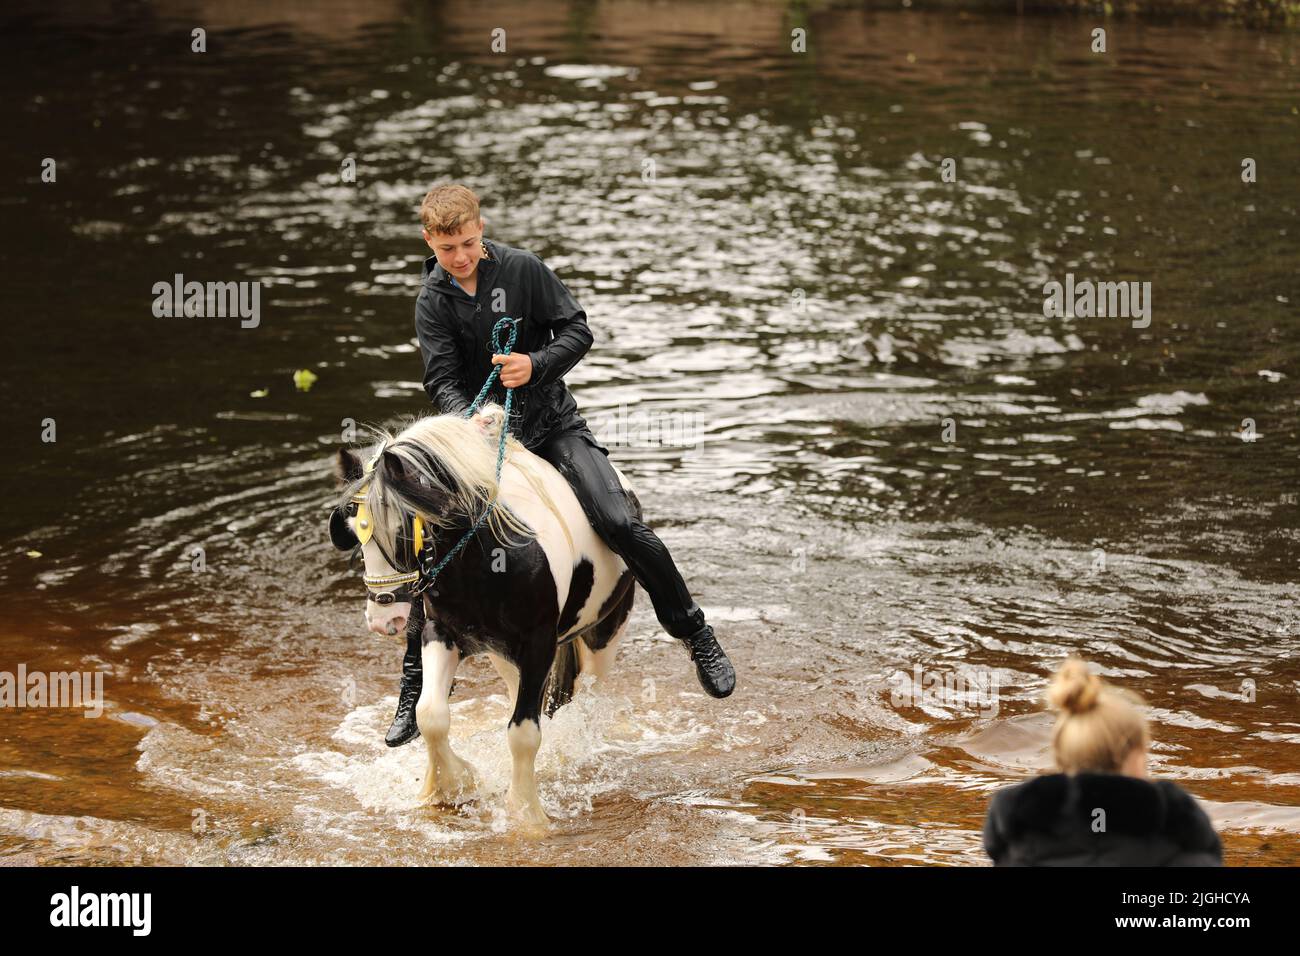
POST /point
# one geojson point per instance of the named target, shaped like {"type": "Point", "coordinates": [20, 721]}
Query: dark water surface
{"type": "Point", "coordinates": [795, 278]}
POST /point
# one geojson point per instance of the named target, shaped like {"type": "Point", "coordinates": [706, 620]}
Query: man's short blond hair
{"type": "Point", "coordinates": [447, 207]}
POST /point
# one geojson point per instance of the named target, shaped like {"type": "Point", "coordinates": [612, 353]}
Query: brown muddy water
{"type": "Point", "coordinates": [904, 467]}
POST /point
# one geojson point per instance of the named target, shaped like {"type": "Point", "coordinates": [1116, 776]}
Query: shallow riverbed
{"type": "Point", "coordinates": [897, 464]}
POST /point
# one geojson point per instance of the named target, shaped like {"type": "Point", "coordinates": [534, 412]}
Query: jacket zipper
{"type": "Point", "coordinates": [521, 402]}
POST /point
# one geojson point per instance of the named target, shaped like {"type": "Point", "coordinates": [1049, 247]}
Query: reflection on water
{"type": "Point", "coordinates": [882, 455]}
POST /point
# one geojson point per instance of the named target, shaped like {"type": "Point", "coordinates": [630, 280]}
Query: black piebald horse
{"type": "Point", "coordinates": [534, 587]}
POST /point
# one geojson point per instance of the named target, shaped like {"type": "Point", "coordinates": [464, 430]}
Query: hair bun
{"type": "Point", "coordinates": [1074, 689]}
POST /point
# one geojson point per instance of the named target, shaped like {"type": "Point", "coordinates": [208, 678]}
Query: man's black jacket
{"type": "Point", "coordinates": [455, 334]}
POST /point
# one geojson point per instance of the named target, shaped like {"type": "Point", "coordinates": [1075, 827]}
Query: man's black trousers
{"type": "Point", "coordinates": [577, 455]}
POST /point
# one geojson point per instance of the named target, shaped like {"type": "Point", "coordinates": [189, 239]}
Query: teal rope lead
{"type": "Point", "coordinates": [498, 348]}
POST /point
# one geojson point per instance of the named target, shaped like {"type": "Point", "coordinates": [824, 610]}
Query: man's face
{"type": "Point", "coordinates": [458, 254]}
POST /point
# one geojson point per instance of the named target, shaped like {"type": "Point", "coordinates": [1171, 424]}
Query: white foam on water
{"type": "Point", "coordinates": [591, 747]}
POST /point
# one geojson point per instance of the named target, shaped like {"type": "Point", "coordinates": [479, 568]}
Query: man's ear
{"type": "Point", "coordinates": [347, 466]}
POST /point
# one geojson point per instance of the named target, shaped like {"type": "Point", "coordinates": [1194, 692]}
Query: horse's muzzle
{"type": "Point", "coordinates": [387, 619]}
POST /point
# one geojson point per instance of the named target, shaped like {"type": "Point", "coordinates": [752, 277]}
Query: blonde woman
{"type": "Point", "coordinates": [1100, 809]}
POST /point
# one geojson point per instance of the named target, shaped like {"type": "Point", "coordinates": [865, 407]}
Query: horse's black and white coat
{"type": "Point", "coordinates": [512, 596]}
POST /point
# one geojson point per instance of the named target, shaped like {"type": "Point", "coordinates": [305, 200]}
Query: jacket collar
{"type": "Point", "coordinates": [1135, 806]}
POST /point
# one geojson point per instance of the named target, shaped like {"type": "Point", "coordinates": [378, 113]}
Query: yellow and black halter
{"type": "Point", "coordinates": [386, 588]}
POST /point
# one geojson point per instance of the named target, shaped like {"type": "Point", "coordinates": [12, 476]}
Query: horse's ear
{"type": "Point", "coordinates": [402, 474]}
{"type": "Point", "coordinates": [347, 466]}
{"type": "Point", "coordinates": [394, 467]}
{"type": "Point", "coordinates": [341, 536]}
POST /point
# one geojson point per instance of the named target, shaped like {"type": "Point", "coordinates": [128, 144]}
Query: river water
{"type": "Point", "coordinates": [898, 465]}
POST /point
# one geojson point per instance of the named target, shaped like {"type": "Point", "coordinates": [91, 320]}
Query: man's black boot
{"type": "Point", "coordinates": [404, 728]}
{"type": "Point", "coordinates": [716, 674]}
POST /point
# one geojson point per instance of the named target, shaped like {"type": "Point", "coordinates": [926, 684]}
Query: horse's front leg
{"type": "Point", "coordinates": [448, 778]}
{"type": "Point", "coordinates": [524, 733]}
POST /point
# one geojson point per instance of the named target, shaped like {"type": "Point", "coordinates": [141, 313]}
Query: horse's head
{"type": "Point", "coordinates": [392, 502]}
{"type": "Point", "coordinates": [437, 476]}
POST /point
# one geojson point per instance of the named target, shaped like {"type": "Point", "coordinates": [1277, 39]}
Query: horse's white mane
{"type": "Point", "coordinates": [469, 459]}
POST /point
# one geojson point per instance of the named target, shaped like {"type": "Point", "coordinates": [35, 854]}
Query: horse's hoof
{"type": "Point", "coordinates": [453, 787]}
{"type": "Point", "coordinates": [445, 798]}
{"type": "Point", "coordinates": [463, 782]}
{"type": "Point", "coordinates": [530, 816]}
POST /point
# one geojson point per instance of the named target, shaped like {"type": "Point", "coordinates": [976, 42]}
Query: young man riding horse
{"type": "Point", "coordinates": [469, 283]}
